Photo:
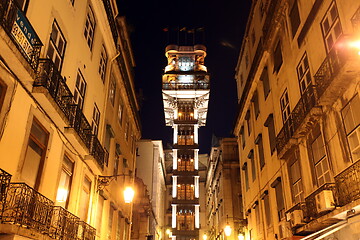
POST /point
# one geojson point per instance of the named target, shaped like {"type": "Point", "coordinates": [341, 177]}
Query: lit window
{"type": "Point", "coordinates": [103, 63]}
{"type": "Point", "coordinates": [89, 27]}
{"type": "Point", "coordinates": [57, 44]}
{"type": "Point", "coordinates": [63, 192]}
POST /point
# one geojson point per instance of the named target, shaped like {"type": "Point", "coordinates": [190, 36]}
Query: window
{"type": "Point", "coordinates": [63, 192]}
{"type": "Point", "coordinates": [265, 198]}
{"type": "Point", "coordinates": [331, 27]}
{"type": "Point", "coordinates": [89, 27]}
{"type": "Point", "coordinates": [3, 88]}
{"type": "Point", "coordinates": [322, 170]}
{"type": "Point", "coordinates": [248, 122]}
{"type": "Point", "coordinates": [80, 88]}
{"type": "Point", "coordinates": [278, 59]}
{"type": "Point", "coordinates": [127, 130]}
{"type": "Point", "coordinates": [109, 134]}
{"type": "Point", "coordinates": [111, 217]}
{"type": "Point", "coordinates": [259, 143]}
{"type": "Point", "coordinates": [85, 199]}
{"type": "Point", "coordinates": [266, 84]}
{"type": "Point", "coordinates": [262, 8]}
{"type": "Point", "coordinates": [242, 133]}
{"type": "Point", "coordinates": [253, 37]}
{"type": "Point", "coordinates": [117, 159]}
{"type": "Point", "coordinates": [255, 100]}
{"type": "Point", "coordinates": [269, 123]}
{"type": "Point", "coordinates": [285, 106]}
{"type": "Point", "coordinates": [95, 120]}
{"type": "Point", "coordinates": [351, 116]}
{"type": "Point", "coordinates": [295, 178]}
{"type": "Point", "coordinates": [120, 225]}
{"type": "Point", "coordinates": [35, 155]}
{"type": "Point", "coordinates": [246, 176]}
{"type": "Point", "coordinates": [120, 112]}
{"type": "Point", "coordinates": [303, 74]}
{"type": "Point", "coordinates": [294, 18]}
{"type": "Point", "coordinates": [99, 213]}
{"type": "Point", "coordinates": [103, 63]}
{"type": "Point", "coordinates": [112, 91]}
{"type": "Point", "coordinates": [253, 166]}
{"type": "Point", "coordinates": [246, 61]}
{"type": "Point", "coordinates": [279, 198]}
{"type": "Point", "coordinates": [57, 44]}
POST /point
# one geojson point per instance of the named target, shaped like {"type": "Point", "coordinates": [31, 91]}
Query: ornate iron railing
{"type": "Point", "coordinates": [27, 207]}
{"type": "Point", "coordinates": [98, 152]}
{"type": "Point", "coordinates": [83, 128]}
{"type": "Point", "coordinates": [49, 78]}
{"type": "Point", "coordinates": [86, 232]}
{"type": "Point", "coordinates": [347, 184]}
{"type": "Point", "coordinates": [310, 201]}
{"type": "Point", "coordinates": [186, 86]}
{"type": "Point", "coordinates": [297, 116]}
{"type": "Point", "coordinates": [4, 186]}
{"type": "Point", "coordinates": [329, 69]}
{"type": "Point", "coordinates": [111, 20]}
{"type": "Point", "coordinates": [64, 225]}
{"type": "Point", "coordinates": [18, 27]}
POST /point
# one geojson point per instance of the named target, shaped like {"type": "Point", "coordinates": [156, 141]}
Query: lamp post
{"type": "Point", "coordinates": [227, 228]}
{"type": "Point", "coordinates": [104, 181]}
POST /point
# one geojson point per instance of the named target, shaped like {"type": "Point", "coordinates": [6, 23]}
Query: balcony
{"type": "Point", "coordinates": [20, 31]}
{"type": "Point", "coordinates": [24, 207]}
{"type": "Point", "coordinates": [111, 20]}
{"type": "Point", "coordinates": [332, 79]}
{"type": "Point", "coordinates": [347, 184]}
{"type": "Point", "coordinates": [186, 86]}
{"type": "Point", "coordinates": [296, 118]}
{"type": "Point", "coordinates": [50, 82]}
{"type": "Point", "coordinates": [314, 209]}
{"type": "Point", "coordinates": [187, 233]}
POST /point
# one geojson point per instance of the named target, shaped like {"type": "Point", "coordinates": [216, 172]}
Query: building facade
{"type": "Point", "coordinates": [223, 192]}
{"type": "Point", "coordinates": [185, 89]}
{"type": "Point", "coordinates": [298, 122]}
{"type": "Point", "coordinates": [150, 162]}
{"type": "Point", "coordinates": [69, 120]}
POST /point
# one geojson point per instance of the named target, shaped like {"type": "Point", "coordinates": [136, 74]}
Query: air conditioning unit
{"type": "Point", "coordinates": [324, 201]}
{"type": "Point", "coordinates": [284, 230]}
{"type": "Point", "coordinates": [296, 218]}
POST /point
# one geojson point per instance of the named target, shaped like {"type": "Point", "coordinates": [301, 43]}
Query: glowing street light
{"type": "Point", "coordinates": [204, 236]}
{"type": "Point", "coordinates": [241, 236]}
{"type": "Point", "coordinates": [128, 194]}
{"type": "Point", "coordinates": [227, 230]}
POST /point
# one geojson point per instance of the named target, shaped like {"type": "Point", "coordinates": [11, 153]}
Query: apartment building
{"type": "Point", "coordinates": [68, 120]}
{"type": "Point", "coordinates": [298, 119]}
{"type": "Point", "coordinates": [185, 90]}
{"type": "Point", "coordinates": [223, 193]}
{"type": "Point", "coordinates": [150, 169]}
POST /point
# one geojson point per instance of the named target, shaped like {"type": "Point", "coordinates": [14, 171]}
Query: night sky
{"type": "Point", "coordinates": [224, 24]}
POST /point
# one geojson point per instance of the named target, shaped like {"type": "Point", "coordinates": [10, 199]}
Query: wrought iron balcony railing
{"type": "Point", "coordinates": [311, 203]}
{"type": "Point", "coordinates": [330, 67]}
{"type": "Point", "coordinates": [4, 186]}
{"type": "Point", "coordinates": [98, 152]}
{"type": "Point", "coordinates": [49, 78]}
{"type": "Point", "coordinates": [86, 232]}
{"type": "Point", "coordinates": [347, 184]}
{"type": "Point", "coordinates": [186, 86]}
{"type": "Point", "coordinates": [27, 207]}
{"type": "Point", "coordinates": [64, 225]}
{"type": "Point", "coordinates": [24, 206]}
{"type": "Point", "coordinates": [111, 20]}
{"type": "Point", "coordinates": [20, 31]}
{"type": "Point", "coordinates": [297, 116]}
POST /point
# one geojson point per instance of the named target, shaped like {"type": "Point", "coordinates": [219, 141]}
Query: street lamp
{"type": "Point", "coordinates": [241, 236]}
{"type": "Point", "coordinates": [104, 181]}
{"type": "Point", "coordinates": [227, 228]}
{"type": "Point", "coordinates": [204, 236]}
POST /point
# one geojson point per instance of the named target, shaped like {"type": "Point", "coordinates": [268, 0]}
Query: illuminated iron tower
{"type": "Point", "coordinates": [185, 92]}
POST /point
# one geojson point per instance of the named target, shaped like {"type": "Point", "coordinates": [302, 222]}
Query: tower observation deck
{"type": "Point", "coordinates": [185, 90]}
